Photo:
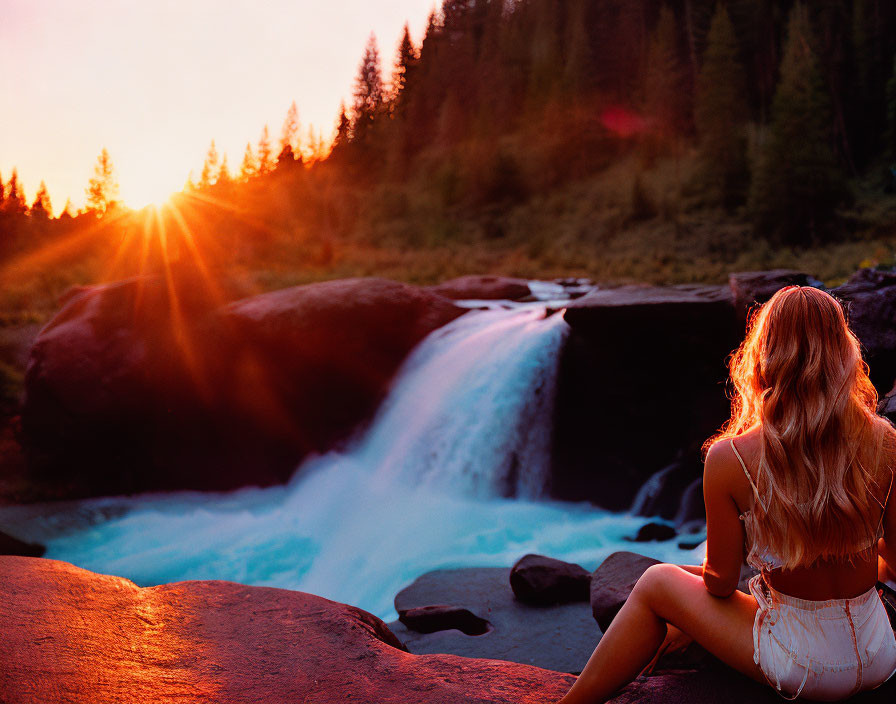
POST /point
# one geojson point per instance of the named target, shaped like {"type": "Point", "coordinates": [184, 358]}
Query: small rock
{"type": "Point", "coordinates": [536, 579]}
{"type": "Point", "coordinates": [652, 532]}
{"type": "Point", "coordinates": [443, 617]}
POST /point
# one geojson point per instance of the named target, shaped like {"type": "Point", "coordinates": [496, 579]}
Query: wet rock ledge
{"type": "Point", "coordinates": [71, 635]}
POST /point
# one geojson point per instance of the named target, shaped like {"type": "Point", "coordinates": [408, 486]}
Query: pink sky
{"type": "Point", "coordinates": [154, 81]}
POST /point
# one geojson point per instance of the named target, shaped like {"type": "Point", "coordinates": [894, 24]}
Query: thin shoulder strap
{"type": "Point", "coordinates": [886, 501]}
{"type": "Point", "coordinates": [749, 478]}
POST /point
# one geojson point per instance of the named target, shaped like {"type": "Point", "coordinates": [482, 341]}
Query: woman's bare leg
{"type": "Point", "coordinates": [666, 594]}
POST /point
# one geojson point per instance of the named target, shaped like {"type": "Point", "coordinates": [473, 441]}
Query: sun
{"type": "Point", "coordinates": [146, 188]}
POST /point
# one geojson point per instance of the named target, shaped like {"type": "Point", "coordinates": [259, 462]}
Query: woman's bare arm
{"type": "Point", "coordinates": [724, 531]}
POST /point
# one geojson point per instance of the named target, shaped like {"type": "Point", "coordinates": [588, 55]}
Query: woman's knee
{"type": "Point", "coordinates": [656, 579]}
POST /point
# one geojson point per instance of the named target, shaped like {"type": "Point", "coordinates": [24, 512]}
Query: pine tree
{"type": "Point", "coordinates": [265, 155]}
{"type": "Point", "coordinates": [577, 68]}
{"type": "Point", "coordinates": [368, 93]}
{"type": "Point", "coordinates": [223, 177]}
{"type": "Point", "coordinates": [102, 189]}
{"type": "Point", "coordinates": [665, 84]}
{"type": "Point", "coordinates": [249, 167]}
{"type": "Point", "coordinates": [402, 74]}
{"type": "Point", "coordinates": [41, 208]}
{"type": "Point", "coordinates": [68, 212]}
{"type": "Point", "coordinates": [720, 114]}
{"type": "Point", "coordinates": [14, 203]}
{"type": "Point", "coordinates": [209, 167]}
{"type": "Point", "coordinates": [343, 130]}
{"type": "Point", "coordinates": [289, 138]}
{"type": "Point", "coordinates": [797, 184]}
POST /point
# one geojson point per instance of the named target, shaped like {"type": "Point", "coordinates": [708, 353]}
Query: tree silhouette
{"type": "Point", "coordinates": [402, 74]}
{"type": "Point", "coordinates": [41, 208]}
{"type": "Point", "coordinates": [720, 114]}
{"type": "Point", "coordinates": [343, 129]}
{"type": "Point", "coordinates": [368, 93]}
{"type": "Point", "coordinates": [265, 155]}
{"type": "Point", "coordinates": [223, 177]}
{"type": "Point", "coordinates": [796, 184]}
{"type": "Point", "coordinates": [249, 167]}
{"type": "Point", "coordinates": [102, 189]}
{"type": "Point", "coordinates": [14, 203]}
{"type": "Point", "coordinates": [289, 137]}
{"type": "Point", "coordinates": [210, 167]}
{"type": "Point", "coordinates": [665, 96]}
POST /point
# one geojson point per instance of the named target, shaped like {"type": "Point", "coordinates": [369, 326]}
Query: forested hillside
{"type": "Point", "coordinates": [617, 139]}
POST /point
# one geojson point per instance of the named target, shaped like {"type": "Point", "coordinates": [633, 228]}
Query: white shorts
{"type": "Point", "coordinates": [822, 650]}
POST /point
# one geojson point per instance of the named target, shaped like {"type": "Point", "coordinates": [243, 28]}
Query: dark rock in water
{"type": "Point", "coordinates": [72, 636]}
{"type": "Point", "coordinates": [536, 579]}
{"type": "Point", "coordinates": [443, 617]}
{"type": "Point", "coordinates": [752, 287]}
{"type": "Point", "coordinates": [662, 495]}
{"type": "Point", "coordinates": [691, 544]}
{"type": "Point", "coordinates": [558, 637]}
{"type": "Point", "coordinates": [142, 385]}
{"type": "Point", "coordinates": [10, 545]}
{"type": "Point", "coordinates": [640, 386]}
{"type": "Point", "coordinates": [654, 532]}
{"type": "Point", "coordinates": [483, 287]}
{"type": "Point", "coordinates": [692, 509]}
{"type": "Point", "coordinates": [613, 581]}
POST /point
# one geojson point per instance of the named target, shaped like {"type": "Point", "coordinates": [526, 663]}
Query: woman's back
{"type": "Point", "coordinates": [826, 578]}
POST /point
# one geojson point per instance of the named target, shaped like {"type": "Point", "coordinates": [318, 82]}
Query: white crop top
{"type": "Point", "coordinates": [761, 557]}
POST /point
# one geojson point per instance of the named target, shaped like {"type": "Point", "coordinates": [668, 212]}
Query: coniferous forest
{"type": "Point", "coordinates": [650, 140]}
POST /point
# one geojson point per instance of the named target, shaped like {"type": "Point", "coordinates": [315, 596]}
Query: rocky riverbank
{"type": "Point", "coordinates": [71, 635]}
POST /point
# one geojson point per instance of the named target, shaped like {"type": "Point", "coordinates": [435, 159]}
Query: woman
{"type": "Point", "coordinates": [799, 483]}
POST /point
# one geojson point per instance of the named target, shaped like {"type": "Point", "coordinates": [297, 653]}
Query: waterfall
{"type": "Point", "coordinates": [451, 471]}
{"type": "Point", "coordinates": [471, 410]}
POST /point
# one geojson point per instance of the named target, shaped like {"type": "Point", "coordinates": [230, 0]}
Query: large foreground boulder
{"type": "Point", "coordinates": [153, 384]}
{"type": "Point", "coordinates": [640, 386]}
{"type": "Point", "coordinates": [73, 636]}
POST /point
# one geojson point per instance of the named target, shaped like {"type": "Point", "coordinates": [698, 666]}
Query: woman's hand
{"type": "Point", "coordinates": [676, 641]}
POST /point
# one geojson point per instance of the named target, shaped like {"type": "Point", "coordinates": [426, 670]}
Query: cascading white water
{"type": "Point", "coordinates": [451, 472]}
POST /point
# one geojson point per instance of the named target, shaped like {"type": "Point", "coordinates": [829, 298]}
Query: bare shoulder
{"type": "Point", "coordinates": [722, 471]}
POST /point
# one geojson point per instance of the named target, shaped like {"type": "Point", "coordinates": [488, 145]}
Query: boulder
{"type": "Point", "coordinates": [541, 580]}
{"type": "Point", "coordinates": [142, 384]}
{"type": "Point", "coordinates": [869, 297]}
{"type": "Point", "coordinates": [652, 531]}
{"type": "Point", "coordinates": [10, 545]}
{"type": "Point", "coordinates": [615, 577]}
{"type": "Point", "coordinates": [483, 287]}
{"type": "Point", "coordinates": [72, 636]}
{"type": "Point", "coordinates": [752, 287]}
{"type": "Point", "coordinates": [640, 362]}
{"type": "Point", "coordinates": [613, 581]}
{"type": "Point", "coordinates": [560, 637]}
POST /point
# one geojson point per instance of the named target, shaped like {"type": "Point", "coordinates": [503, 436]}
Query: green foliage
{"type": "Point", "coordinates": [797, 184]}
{"type": "Point", "coordinates": [720, 115]}
{"type": "Point", "coordinates": [665, 87]}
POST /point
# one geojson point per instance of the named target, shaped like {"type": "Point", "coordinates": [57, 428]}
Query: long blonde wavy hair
{"type": "Point", "coordinates": [825, 454]}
